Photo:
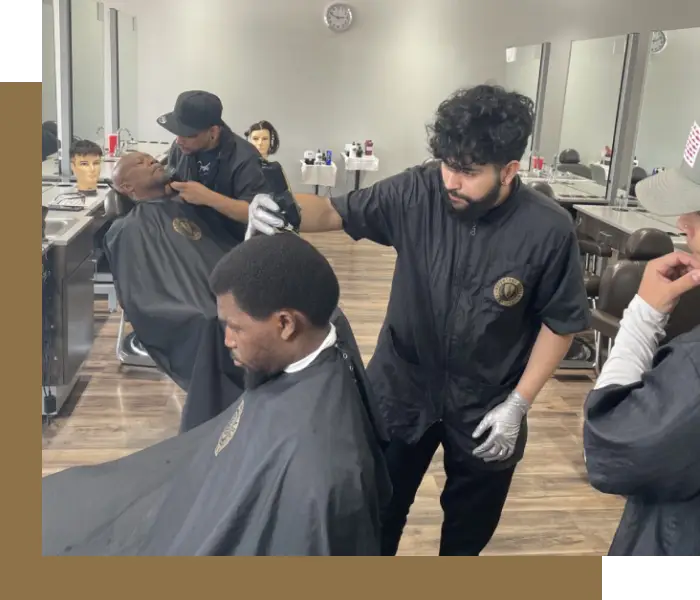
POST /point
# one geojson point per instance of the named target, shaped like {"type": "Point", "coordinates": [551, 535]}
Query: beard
{"type": "Point", "coordinates": [476, 208]}
{"type": "Point", "coordinates": [253, 379]}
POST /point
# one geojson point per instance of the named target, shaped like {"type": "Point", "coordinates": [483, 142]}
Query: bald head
{"type": "Point", "coordinates": [140, 177]}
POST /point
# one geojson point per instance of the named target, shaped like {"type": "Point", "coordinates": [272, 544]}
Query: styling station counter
{"type": "Point", "coordinates": [612, 226]}
{"type": "Point", "coordinates": [68, 292]}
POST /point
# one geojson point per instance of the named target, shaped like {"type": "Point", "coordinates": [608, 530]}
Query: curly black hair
{"type": "Point", "coordinates": [482, 125]}
{"type": "Point", "coordinates": [269, 273]}
{"type": "Point", "coordinates": [274, 136]}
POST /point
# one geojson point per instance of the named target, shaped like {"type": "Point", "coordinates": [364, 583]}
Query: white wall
{"type": "Point", "coordinates": [592, 96]}
{"type": "Point", "coordinates": [671, 100]}
{"type": "Point", "coordinates": [48, 65]}
{"type": "Point", "coordinates": [274, 59]}
{"type": "Point", "coordinates": [87, 51]}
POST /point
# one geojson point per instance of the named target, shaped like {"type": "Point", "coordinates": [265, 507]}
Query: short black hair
{"type": "Point", "coordinates": [266, 274]}
{"type": "Point", "coordinates": [274, 136]}
{"type": "Point", "coordinates": [482, 125]}
{"type": "Point", "coordinates": [85, 148]}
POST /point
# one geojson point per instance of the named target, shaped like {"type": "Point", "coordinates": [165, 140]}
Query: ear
{"type": "Point", "coordinates": [510, 171]}
{"type": "Point", "coordinates": [289, 324]}
{"type": "Point", "coordinates": [127, 189]}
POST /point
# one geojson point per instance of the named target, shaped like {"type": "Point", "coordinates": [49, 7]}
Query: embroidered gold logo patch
{"type": "Point", "coordinates": [230, 430]}
{"type": "Point", "coordinates": [508, 291]}
{"type": "Point", "coordinates": [187, 228]}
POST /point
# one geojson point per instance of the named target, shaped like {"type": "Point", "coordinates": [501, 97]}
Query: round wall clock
{"type": "Point", "coordinates": [658, 41]}
{"type": "Point", "coordinates": [338, 17]}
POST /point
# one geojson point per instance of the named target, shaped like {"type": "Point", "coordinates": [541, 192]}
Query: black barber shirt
{"type": "Point", "coordinates": [467, 300]}
{"type": "Point", "coordinates": [233, 170]}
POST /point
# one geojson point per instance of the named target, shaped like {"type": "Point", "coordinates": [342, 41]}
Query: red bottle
{"type": "Point", "coordinates": [369, 147]}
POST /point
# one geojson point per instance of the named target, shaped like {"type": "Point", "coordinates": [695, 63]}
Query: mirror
{"type": "Point", "coordinates": [663, 128]}
{"type": "Point", "coordinates": [49, 112]}
{"type": "Point", "coordinates": [523, 76]}
{"type": "Point", "coordinates": [593, 88]}
{"type": "Point", "coordinates": [87, 59]}
{"type": "Point", "coordinates": [128, 104]}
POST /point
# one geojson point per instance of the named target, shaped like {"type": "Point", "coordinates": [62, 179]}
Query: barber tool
{"type": "Point", "coordinates": [72, 201]}
{"type": "Point", "coordinates": [289, 210]}
{"type": "Point", "coordinates": [309, 157]}
{"type": "Point", "coordinates": [172, 176]}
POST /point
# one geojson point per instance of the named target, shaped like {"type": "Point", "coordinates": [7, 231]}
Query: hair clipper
{"type": "Point", "coordinates": [289, 210]}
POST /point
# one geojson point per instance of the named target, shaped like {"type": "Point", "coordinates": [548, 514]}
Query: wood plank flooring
{"type": "Point", "coordinates": [551, 509]}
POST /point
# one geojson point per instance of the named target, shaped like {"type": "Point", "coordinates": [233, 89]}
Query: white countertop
{"type": "Point", "coordinates": [78, 220]}
{"type": "Point", "coordinates": [632, 220]}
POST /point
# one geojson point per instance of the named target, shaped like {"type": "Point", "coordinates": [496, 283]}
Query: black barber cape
{"type": "Point", "coordinates": [467, 300]}
{"type": "Point", "coordinates": [161, 255]}
{"type": "Point", "coordinates": [292, 468]}
{"type": "Point", "coordinates": [642, 441]}
{"type": "Point", "coordinates": [219, 381]}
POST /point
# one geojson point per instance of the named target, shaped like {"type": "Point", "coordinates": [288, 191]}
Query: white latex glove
{"type": "Point", "coordinates": [504, 422]}
{"type": "Point", "coordinates": [261, 216]}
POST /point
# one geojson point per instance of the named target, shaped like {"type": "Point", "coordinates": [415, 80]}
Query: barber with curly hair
{"type": "Point", "coordinates": [487, 295]}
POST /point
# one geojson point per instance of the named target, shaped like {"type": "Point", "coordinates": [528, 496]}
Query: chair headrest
{"type": "Point", "coordinates": [569, 157]}
{"type": "Point", "coordinates": [648, 244]}
{"type": "Point", "coordinates": [117, 205]}
{"type": "Point", "coordinates": [544, 188]}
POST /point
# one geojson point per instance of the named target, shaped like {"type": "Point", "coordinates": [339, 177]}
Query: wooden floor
{"type": "Point", "coordinates": [551, 509]}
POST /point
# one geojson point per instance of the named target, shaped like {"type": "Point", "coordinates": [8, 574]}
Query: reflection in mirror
{"type": "Point", "coordinates": [591, 102]}
{"type": "Point", "coordinates": [523, 76]}
{"type": "Point", "coordinates": [670, 102]}
{"type": "Point", "coordinates": [49, 112]}
{"type": "Point", "coordinates": [87, 54]}
{"type": "Point", "coordinates": [128, 105]}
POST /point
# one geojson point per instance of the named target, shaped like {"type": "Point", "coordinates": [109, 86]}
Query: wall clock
{"type": "Point", "coordinates": [658, 42]}
{"type": "Point", "coordinates": [338, 17]}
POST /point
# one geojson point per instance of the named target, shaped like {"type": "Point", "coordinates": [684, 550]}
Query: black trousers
{"type": "Point", "coordinates": [472, 501]}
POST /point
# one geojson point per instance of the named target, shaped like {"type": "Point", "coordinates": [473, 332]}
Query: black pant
{"type": "Point", "coordinates": [472, 500]}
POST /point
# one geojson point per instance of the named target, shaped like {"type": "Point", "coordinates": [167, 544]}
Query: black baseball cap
{"type": "Point", "coordinates": [195, 111]}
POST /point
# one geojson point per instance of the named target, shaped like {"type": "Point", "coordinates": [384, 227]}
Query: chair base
{"type": "Point", "coordinates": [130, 352]}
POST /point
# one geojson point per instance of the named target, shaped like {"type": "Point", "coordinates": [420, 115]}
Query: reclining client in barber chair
{"type": "Point", "coordinates": [161, 253]}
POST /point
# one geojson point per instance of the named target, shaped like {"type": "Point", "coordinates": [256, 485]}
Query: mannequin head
{"type": "Point", "coordinates": [264, 137]}
{"type": "Point", "coordinates": [86, 163]}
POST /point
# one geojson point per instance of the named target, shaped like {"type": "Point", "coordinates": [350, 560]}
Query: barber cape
{"type": "Point", "coordinates": [642, 441]}
{"type": "Point", "coordinates": [293, 467]}
{"type": "Point", "coordinates": [161, 255]}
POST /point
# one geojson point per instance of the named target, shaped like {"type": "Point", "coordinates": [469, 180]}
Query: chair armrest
{"type": "Point", "coordinates": [594, 248]}
{"type": "Point", "coordinates": [605, 323]}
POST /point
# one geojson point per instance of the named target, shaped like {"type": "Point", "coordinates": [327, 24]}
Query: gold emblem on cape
{"type": "Point", "coordinates": [230, 430]}
{"type": "Point", "coordinates": [187, 228]}
{"type": "Point", "coordinates": [508, 291]}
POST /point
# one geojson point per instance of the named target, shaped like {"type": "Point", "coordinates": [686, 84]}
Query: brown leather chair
{"type": "Point", "coordinates": [620, 283]}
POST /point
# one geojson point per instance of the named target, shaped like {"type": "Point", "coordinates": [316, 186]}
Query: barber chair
{"type": "Point", "coordinates": [576, 169]}
{"type": "Point", "coordinates": [637, 175]}
{"type": "Point", "coordinates": [620, 283]}
{"type": "Point", "coordinates": [129, 350]}
{"type": "Point", "coordinates": [599, 174]}
{"type": "Point", "coordinates": [570, 156]}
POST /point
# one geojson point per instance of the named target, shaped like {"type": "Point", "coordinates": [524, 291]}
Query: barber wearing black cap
{"type": "Point", "coordinates": [217, 170]}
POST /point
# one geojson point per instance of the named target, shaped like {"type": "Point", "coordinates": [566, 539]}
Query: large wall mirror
{"type": "Point", "coordinates": [87, 56]}
{"type": "Point", "coordinates": [670, 102]}
{"type": "Point", "coordinates": [592, 98]}
{"type": "Point", "coordinates": [127, 49]}
{"type": "Point", "coordinates": [49, 109]}
{"type": "Point", "coordinates": [523, 67]}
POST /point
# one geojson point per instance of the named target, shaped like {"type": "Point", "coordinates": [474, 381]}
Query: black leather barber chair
{"type": "Point", "coordinates": [570, 156]}
{"type": "Point", "coordinates": [129, 350]}
{"type": "Point", "coordinates": [576, 169]}
{"type": "Point", "coordinates": [637, 175]}
{"type": "Point", "coordinates": [620, 283]}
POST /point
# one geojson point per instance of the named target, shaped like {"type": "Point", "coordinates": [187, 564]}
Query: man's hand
{"type": "Point", "coordinates": [504, 422]}
{"type": "Point", "coordinates": [667, 278]}
{"type": "Point", "coordinates": [193, 192]}
{"type": "Point", "coordinates": [262, 217]}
